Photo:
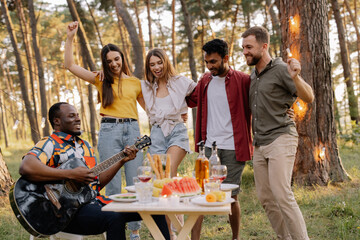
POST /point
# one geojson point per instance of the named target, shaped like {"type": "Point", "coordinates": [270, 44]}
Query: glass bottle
{"type": "Point", "coordinates": [201, 166]}
{"type": "Point", "coordinates": [214, 158]}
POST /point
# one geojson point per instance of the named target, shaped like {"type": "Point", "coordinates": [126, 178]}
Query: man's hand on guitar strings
{"type": "Point", "coordinates": [82, 174]}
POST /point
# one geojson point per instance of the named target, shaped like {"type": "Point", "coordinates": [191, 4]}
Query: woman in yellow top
{"type": "Point", "coordinates": [118, 94]}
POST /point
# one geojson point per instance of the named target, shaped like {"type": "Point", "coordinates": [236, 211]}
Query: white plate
{"type": "Point", "coordinates": [130, 188]}
{"type": "Point", "coordinates": [202, 201]}
{"type": "Point", "coordinates": [228, 186]}
{"type": "Point", "coordinates": [123, 197]}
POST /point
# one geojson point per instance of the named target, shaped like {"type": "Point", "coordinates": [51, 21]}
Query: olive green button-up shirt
{"type": "Point", "coordinates": [272, 93]}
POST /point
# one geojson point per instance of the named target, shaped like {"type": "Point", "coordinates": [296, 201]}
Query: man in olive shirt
{"type": "Point", "coordinates": [273, 89]}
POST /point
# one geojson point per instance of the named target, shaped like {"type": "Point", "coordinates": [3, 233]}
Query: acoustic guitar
{"type": "Point", "coordinates": [46, 208]}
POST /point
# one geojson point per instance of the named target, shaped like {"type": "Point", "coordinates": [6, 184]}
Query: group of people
{"type": "Point", "coordinates": [229, 105]}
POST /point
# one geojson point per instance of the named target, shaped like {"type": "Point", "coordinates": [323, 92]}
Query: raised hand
{"type": "Point", "coordinates": [294, 67]}
{"type": "Point", "coordinates": [72, 29]}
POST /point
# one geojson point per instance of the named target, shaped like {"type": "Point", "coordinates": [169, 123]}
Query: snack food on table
{"type": "Point", "coordinates": [153, 165]}
{"type": "Point", "coordinates": [220, 196]}
{"type": "Point", "coordinates": [216, 196]}
{"type": "Point", "coordinates": [210, 197]}
{"type": "Point", "coordinates": [168, 166]}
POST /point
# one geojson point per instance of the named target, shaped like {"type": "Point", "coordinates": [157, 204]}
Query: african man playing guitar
{"type": "Point", "coordinates": [52, 195]}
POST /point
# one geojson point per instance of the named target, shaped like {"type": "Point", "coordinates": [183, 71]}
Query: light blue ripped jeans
{"type": "Point", "coordinates": [113, 137]}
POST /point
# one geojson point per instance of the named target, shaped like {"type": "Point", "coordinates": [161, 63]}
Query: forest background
{"type": "Point", "coordinates": [322, 34]}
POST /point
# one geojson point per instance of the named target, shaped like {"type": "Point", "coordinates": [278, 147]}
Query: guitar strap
{"type": "Point", "coordinates": [53, 199]}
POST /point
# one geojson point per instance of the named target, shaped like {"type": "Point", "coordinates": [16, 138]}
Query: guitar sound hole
{"type": "Point", "coordinates": [73, 187]}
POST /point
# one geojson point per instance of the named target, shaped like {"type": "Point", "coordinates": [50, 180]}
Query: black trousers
{"type": "Point", "coordinates": [90, 220]}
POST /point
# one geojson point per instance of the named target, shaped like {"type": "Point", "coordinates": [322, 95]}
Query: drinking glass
{"type": "Point", "coordinates": [144, 173]}
{"type": "Point", "coordinates": [219, 172]}
{"type": "Point", "coordinates": [211, 185]}
{"type": "Point", "coordinates": [143, 190]}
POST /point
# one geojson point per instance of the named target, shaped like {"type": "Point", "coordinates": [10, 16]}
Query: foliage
{"type": "Point", "coordinates": [353, 135]}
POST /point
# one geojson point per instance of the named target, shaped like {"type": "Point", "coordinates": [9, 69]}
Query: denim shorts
{"type": "Point", "coordinates": [234, 168]}
{"type": "Point", "coordinates": [178, 137]}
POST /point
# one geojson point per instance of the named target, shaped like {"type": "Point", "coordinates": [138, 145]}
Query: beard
{"type": "Point", "coordinates": [254, 60]}
{"type": "Point", "coordinates": [220, 70]}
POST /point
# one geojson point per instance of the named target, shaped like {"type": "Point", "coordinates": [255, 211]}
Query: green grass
{"type": "Point", "coordinates": [331, 213]}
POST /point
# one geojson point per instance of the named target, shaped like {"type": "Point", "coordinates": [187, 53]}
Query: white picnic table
{"type": "Point", "coordinates": [193, 211]}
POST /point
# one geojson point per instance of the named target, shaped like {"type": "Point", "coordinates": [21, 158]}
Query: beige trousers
{"type": "Point", "coordinates": [273, 165]}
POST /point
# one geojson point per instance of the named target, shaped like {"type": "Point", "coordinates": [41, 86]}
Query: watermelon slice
{"type": "Point", "coordinates": [186, 186]}
{"type": "Point", "coordinates": [166, 190]}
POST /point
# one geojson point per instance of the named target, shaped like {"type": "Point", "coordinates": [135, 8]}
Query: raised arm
{"type": "Point", "coordinates": [69, 58]}
{"type": "Point", "coordinates": [303, 89]}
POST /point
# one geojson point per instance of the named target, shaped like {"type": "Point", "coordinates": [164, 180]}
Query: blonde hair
{"type": "Point", "coordinates": [168, 69]}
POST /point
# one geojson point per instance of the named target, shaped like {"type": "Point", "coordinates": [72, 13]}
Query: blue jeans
{"type": "Point", "coordinates": [90, 220]}
{"type": "Point", "coordinates": [113, 137]}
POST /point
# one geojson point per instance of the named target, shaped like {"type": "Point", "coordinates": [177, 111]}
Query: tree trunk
{"type": "Point", "coordinates": [10, 87]}
{"type": "Point", "coordinates": [29, 111]}
{"type": "Point", "coordinates": [46, 129]}
{"type": "Point", "coordinates": [134, 37]}
{"type": "Point", "coordinates": [246, 14]}
{"type": "Point", "coordinates": [3, 119]}
{"type": "Point", "coordinates": [192, 64]}
{"type": "Point", "coordinates": [309, 43]}
{"type": "Point", "coordinates": [353, 104]}
{"type": "Point", "coordinates": [79, 86]}
{"type": "Point", "coordinates": [163, 36]}
{"type": "Point", "coordinates": [148, 8]}
{"type": "Point", "coordinates": [275, 27]}
{"type": "Point", "coordinates": [5, 178]}
{"type": "Point", "coordinates": [7, 102]}
{"type": "Point", "coordinates": [140, 29]}
{"type": "Point", "coordinates": [124, 42]}
{"type": "Point", "coordinates": [95, 23]}
{"type": "Point", "coordinates": [28, 52]}
{"type": "Point", "coordinates": [173, 34]}
{"type": "Point", "coordinates": [232, 38]}
{"type": "Point", "coordinates": [87, 54]}
{"type": "Point", "coordinates": [354, 21]}
{"type": "Point", "coordinates": [202, 35]}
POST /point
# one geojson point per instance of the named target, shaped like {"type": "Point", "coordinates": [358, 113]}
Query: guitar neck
{"type": "Point", "coordinates": [109, 162]}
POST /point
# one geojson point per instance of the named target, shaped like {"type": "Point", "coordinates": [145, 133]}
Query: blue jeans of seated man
{"type": "Point", "coordinates": [113, 137]}
{"type": "Point", "coordinates": [90, 220]}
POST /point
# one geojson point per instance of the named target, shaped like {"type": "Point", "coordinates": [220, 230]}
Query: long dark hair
{"type": "Point", "coordinates": [107, 91]}
{"type": "Point", "coordinates": [168, 69]}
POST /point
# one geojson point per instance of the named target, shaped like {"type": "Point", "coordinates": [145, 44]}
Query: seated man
{"type": "Point", "coordinates": [40, 163]}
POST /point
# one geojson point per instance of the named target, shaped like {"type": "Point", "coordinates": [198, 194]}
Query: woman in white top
{"type": "Point", "coordinates": [164, 93]}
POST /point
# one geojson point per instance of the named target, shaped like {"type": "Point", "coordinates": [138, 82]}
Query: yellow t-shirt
{"type": "Point", "coordinates": [124, 105]}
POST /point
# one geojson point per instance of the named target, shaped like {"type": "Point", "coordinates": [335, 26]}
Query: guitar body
{"type": "Point", "coordinates": [36, 212]}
